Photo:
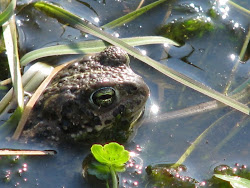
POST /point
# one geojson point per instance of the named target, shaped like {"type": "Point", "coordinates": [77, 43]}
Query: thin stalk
{"type": "Point", "coordinates": [35, 74]}
{"type": "Point", "coordinates": [87, 47]}
{"type": "Point", "coordinates": [4, 152]}
{"type": "Point", "coordinates": [244, 47]}
{"type": "Point", "coordinates": [241, 57]}
{"type": "Point", "coordinates": [132, 15]}
{"type": "Point", "coordinates": [190, 149]}
{"type": "Point", "coordinates": [239, 7]}
{"type": "Point", "coordinates": [10, 39]}
{"type": "Point", "coordinates": [8, 12]}
{"type": "Point", "coordinates": [107, 184]}
{"type": "Point", "coordinates": [239, 126]}
{"type": "Point", "coordinates": [140, 4]}
{"type": "Point", "coordinates": [113, 176]}
{"type": "Point", "coordinates": [239, 94]}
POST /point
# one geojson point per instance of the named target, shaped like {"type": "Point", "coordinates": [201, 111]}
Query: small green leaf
{"type": "Point", "coordinates": [101, 171]}
{"type": "Point", "coordinates": [112, 154]}
{"type": "Point", "coordinates": [235, 181]}
{"type": "Point", "coordinates": [8, 12]}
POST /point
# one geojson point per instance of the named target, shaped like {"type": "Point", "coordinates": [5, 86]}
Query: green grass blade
{"type": "Point", "coordinates": [235, 181]}
{"type": "Point", "coordinates": [8, 12]}
{"type": "Point", "coordinates": [131, 16]}
{"type": "Point", "coordinates": [242, 9]}
{"type": "Point", "coordinates": [10, 125]}
{"type": "Point", "coordinates": [87, 47]}
{"type": "Point", "coordinates": [198, 140]}
{"type": "Point", "coordinates": [75, 21]}
{"type": "Point", "coordinates": [10, 39]}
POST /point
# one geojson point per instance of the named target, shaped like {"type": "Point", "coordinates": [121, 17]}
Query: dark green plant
{"type": "Point", "coordinates": [184, 29]}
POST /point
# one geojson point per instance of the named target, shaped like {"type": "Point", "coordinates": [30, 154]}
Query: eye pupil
{"type": "Point", "coordinates": [103, 97]}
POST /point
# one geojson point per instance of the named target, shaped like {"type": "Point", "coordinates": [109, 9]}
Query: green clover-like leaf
{"type": "Point", "coordinates": [112, 154]}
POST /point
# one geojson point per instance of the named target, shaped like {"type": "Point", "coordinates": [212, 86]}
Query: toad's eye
{"type": "Point", "coordinates": [103, 97]}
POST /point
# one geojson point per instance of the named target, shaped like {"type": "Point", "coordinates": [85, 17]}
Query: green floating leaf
{"type": "Point", "coordinates": [8, 12]}
{"type": "Point", "coordinates": [132, 15]}
{"type": "Point", "coordinates": [112, 154]}
{"type": "Point", "coordinates": [235, 181]}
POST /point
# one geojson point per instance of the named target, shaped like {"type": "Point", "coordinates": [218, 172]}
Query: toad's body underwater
{"type": "Point", "coordinates": [98, 99]}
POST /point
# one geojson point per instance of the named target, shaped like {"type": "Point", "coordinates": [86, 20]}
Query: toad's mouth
{"type": "Point", "coordinates": [122, 128]}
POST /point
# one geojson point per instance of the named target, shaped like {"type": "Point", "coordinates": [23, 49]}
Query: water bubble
{"type": "Point", "coordinates": [201, 50]}
{"type": "Point", "coordinates": [135, 183]}
{"type": "Point", "coordinates": [96, 19]}
{"type": "Point", "coordinates": [144, 52]}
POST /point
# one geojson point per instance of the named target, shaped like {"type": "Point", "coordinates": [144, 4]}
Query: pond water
{"type": "Point", "coordinates": [208, 57]}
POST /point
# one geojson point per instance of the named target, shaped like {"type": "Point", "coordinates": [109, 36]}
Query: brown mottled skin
{"type": "Point", "coordinates": [92, 100]}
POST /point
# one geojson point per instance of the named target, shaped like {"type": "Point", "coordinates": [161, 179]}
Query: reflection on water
{"type": "Point", "coordinates": [175, 115]}
{"type": "Point", "coordinates": [154, 109]}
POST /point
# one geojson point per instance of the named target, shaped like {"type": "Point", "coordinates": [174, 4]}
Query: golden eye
{"type": "Point", "coordinates": [103, 97]}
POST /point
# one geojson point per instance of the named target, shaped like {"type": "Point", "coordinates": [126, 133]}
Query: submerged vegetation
{"type": "Point", "coordinates": [167, 176]}
{"type": "Point", "coordinates": [184, 29]}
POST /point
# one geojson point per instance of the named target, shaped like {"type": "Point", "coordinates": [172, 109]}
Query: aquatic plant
{"type": "Point", "coordinates": [183, 29]}
{"type": "Point", "coordinates": [168, 176]}
{"type": "Point", "coordinates": [111, 158]}
{"type": "Point", "coordinates": [235, 181]}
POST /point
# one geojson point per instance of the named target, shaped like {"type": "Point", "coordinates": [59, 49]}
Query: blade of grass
{"type": "Point", "coordinates": [87, 47]}
{"type": "Point", "coordinates": [140, 4]}
{"type": "Point", "coordinates": [239, 61]}
{"type": "Point", "coordinates": [190, 149]}
{"type": "Point", "coordinates": [244, 47]}
{"type": "Point", "coordinates": [233, 132]}
{"type": "Point", "coordinates": [132, 15]}
{"type": "Point", "coordinates": [10, 39]}
{"type": "Point", "coordinates": [8, 12]}
{"type": "Point", "coordinates": [36, 74]}
{"type": "Point", "coordinates": [64, 16]}
{"type": "Point", "coordinates": [241, 93]}
{"type": "Point", "coordinates": [31, 80]}
{"type": "Point", "coordinates": [4, 152]}
{"type": "Point", "coordinates": [10, 125]}
{"type": "Point", "coordinates": [247, 12]}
